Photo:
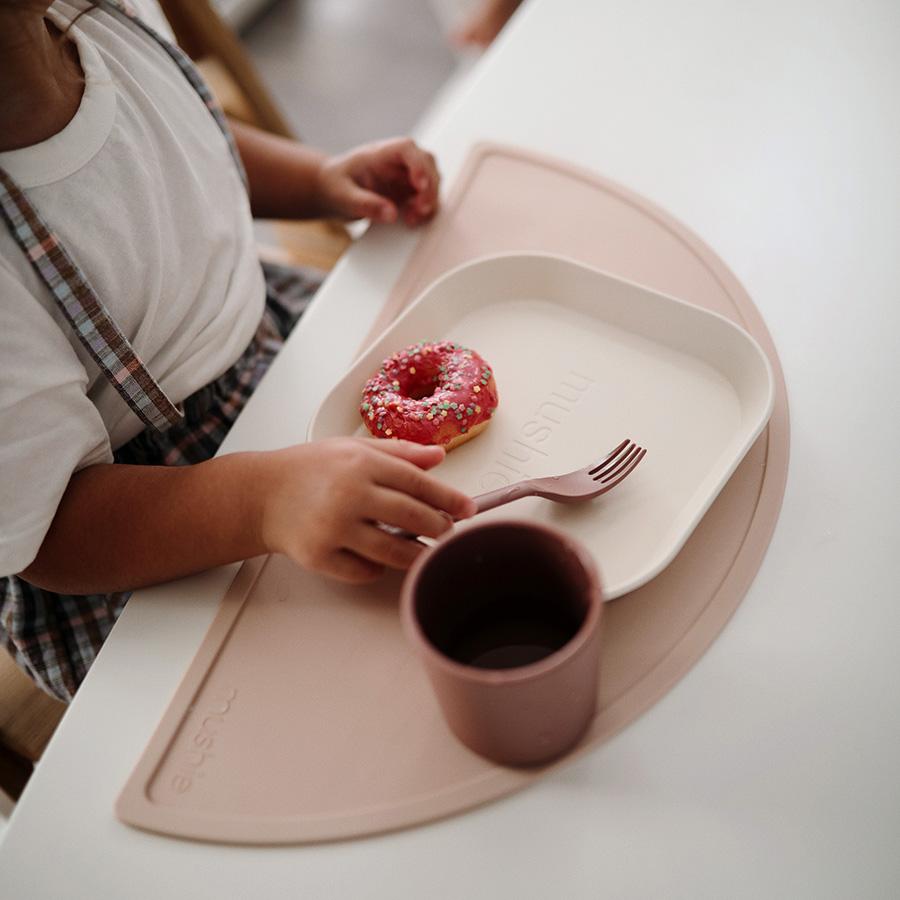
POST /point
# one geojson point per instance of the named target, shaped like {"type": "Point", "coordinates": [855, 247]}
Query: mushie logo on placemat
{"type": "Point", "coordinates": [190, 762]}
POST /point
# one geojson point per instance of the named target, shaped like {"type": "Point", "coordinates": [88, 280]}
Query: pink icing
{"type": "Point", "coordinates": [429, 393]}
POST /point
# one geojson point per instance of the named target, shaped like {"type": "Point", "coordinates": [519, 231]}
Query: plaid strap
{"type": "Point", "coordinates": [84, 310]}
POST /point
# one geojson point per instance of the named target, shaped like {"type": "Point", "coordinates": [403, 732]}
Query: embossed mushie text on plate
{"type": "Point", "coordinates": [510, 465]}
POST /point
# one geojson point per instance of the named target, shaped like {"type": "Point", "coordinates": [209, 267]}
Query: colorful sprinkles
{"type": "Point", "coordinates": [430, 393]}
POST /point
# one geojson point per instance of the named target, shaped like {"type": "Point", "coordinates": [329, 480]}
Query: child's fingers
{"type": "Point", "coordinates": [414, 158]}
{"type": "Point", "coordinates": [399, 475]}
{"type": "Point", "coordinates": [425, 456]}
{"type": "Point", "coordinates": [371, 542]}
{"type": "Point", "coordinates": [412, 217]}
{"type": "Point", "coordinates": [408, 513]}
{"type": "Point", "coordinates": [359, 203]}
{"type": "Point", "coordinates": [429, 200]}
{"type": "Point", "coordinates": [423, 176]}
{"type": "Point", "coordinates": [345, 565]}
{"type": "Point", "coordinates": [418, 210]}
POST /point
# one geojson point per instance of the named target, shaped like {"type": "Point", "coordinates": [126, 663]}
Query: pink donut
{"type": "Point", "coordinates": [438, 393]}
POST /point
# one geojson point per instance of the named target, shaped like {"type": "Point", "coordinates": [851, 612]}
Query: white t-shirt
{"type": "Point", "coordinates": [142, 191]}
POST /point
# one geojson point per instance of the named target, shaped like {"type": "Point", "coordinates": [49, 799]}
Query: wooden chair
{"type": "Point", "coordinates": [28, 718]}
{"type": "Point", "coordinates": [228, 70]}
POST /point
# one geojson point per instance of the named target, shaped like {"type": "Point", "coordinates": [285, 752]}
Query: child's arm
{"type": "Point", "coordinates": [384, 181]}
{"type": "Point", "coordinates": [120, 527]}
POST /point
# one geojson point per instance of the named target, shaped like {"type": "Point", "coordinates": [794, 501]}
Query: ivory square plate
{"type": "Point", "coordinates": [582, 360]}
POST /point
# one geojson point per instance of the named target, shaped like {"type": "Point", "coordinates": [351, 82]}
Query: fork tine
{"type": "Point", "coordinates": [624, 473]}
{"type": "Point", "coordinates": [609, 458]}
{"type": "Point", "coordinates": [620, 464]}
{"type": "Point", "coordinates": [612, 465]}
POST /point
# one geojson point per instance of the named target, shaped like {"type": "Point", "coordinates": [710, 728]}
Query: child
{"type": "Point", "coordinates": [134, 323]}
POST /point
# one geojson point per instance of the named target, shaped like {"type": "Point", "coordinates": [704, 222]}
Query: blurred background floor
{"type": "Point", "coordinates": [349, 71]}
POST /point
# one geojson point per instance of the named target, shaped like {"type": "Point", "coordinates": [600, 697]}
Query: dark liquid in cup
{"type": "Point", "coordinates": [513, 631]}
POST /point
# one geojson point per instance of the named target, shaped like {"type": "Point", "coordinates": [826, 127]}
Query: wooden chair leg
{"type": "Point", "coordinates": [15, 771]}
{"type": "Point", "coordinates": [200, 32]}
{"type": "Point", "coordinates": [28, 718]}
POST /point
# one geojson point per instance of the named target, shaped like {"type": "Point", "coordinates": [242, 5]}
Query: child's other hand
{"type": "Point", "coordinates": [385, 182]}
{"type": "Point", "coordinates": [322, 501]}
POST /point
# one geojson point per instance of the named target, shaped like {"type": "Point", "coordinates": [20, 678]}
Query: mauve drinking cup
{"type": "Point", "coordinates": [506, 618]}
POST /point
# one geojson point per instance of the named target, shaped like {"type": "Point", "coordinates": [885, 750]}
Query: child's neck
{"type": "Point", "coordinates": [41, 81]}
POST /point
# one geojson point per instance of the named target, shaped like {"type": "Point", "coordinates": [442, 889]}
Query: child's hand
{"type": "Point", "coordinates": [383, 182]}
{"type": "Point", "coordinates": [322, 501]}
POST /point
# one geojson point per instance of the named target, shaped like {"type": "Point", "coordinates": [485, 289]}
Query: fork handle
{"type": "Point", "coordinates": [503, 495]}
{"type": "Point", "coordinates": [483, 502]}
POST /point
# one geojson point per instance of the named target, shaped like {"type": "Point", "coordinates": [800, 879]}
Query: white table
{"type": "Point", "coordinates": [772, 769]}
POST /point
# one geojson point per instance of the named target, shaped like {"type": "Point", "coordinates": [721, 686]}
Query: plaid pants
{"type": "Point", "coordinates": [54, 638]}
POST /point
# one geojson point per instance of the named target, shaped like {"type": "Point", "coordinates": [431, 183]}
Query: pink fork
{"type": "Point", "coordinates": [582, 484]}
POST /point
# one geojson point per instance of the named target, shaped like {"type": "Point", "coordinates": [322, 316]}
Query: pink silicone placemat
{"type": "Point", "coordinates": [304, 715]}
